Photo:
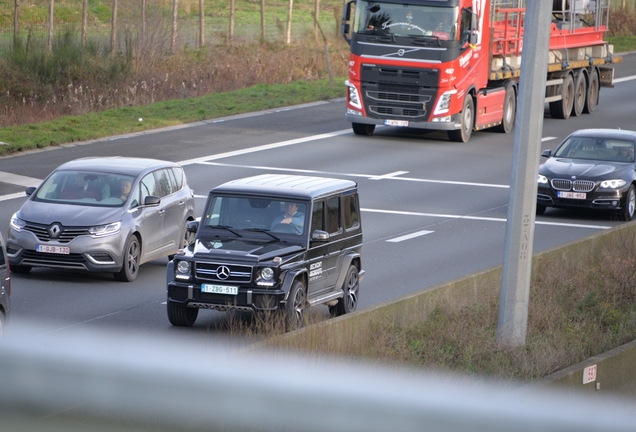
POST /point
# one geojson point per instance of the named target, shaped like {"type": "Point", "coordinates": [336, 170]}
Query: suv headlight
{"type": "Point", "coordinates": [613, 184]}
{"type": "Point", "coordinates": [104, 230]}
{"type": "Point", "coordinates": [182, 270]}
{"type": "Point", "coordinates": [265, 277]}
{"type": "Point", "coordinates": [17, 223]}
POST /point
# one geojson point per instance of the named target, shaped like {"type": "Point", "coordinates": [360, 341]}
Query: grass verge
{"type": "Point", "coordinates": [127, 120]}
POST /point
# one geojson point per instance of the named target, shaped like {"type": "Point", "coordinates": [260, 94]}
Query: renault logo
{"type": "Point", "coordinates": [223, 272]}
{"type": "Point", "coordinates": [54, 231]}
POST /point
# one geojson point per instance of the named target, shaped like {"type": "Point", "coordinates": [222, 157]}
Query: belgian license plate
{"type": "Point", "coordinates": [572, 195]}
{"type": "Point", "coordinates": [53, 249]}
{"type": "Point", "coordinates": [402, 123]}
{"type": "Point", "coordinates": [219, 289]}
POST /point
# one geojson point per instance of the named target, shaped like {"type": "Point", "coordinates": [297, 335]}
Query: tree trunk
{"type": "Point", "coordinates": [201, 24]}
{"type": "Point", "coordinates": [263, 20]}
{"type": "Point", "coordinates": [143, 20]}
{"type": "Point", "coordinates": [50, 42]}
{"type": "Point", "coordinates": [289, 21]}
{"type": "Point", "coordinates": [173, 45]}
{"type": "Point", "coordinates": [316, 15]}
{"type": "Point", "coordinates": [232, 20]}
{"type": "Point", "coordinates": [113, 30]}
{"type": "Point", "coordinates": [84, 20]}
{"type": "Point", "coordinates": [16, 21]}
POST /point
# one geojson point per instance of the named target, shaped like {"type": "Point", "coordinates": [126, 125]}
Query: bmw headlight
{"type": "Point", "coordinates": [104, 230]}
{"type": "Point", "coordinates": [542, 179]}
{"type": "Point", "coordinates": [443, 104]}
{"type": "Point", "coordinates": [17, 223]}
{"type": "Point", "coordinates": [354, 97]}
{"type": "Point", "coordinates": [265, 277]}
{"type": "Point", "coordinates": [613, 184]}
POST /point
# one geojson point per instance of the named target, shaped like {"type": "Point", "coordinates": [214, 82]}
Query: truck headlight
{"type": "Point", "coordinates": [354, 97]}
{"type": "Point", "coordinates": [443, 104]}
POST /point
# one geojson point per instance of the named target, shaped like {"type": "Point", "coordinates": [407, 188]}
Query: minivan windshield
{"type": "Point", "coordinates": [86, 188]}
{"type": "Point", "coordinates": [256, 214]}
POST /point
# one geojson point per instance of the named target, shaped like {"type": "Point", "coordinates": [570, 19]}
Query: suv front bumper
{"type": "Point", "coordinates": [247, 299]}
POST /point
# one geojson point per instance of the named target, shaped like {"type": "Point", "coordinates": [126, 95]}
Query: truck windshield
{"type": "Point", "coordinates": [392, 19]}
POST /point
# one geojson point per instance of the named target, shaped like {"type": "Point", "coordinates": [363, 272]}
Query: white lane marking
{"type": "Point", "coordinates": [393, 174]}
{"type": "Point", "coordinates": [409, 236]}
{"type": "Point", "coordinates": [12, 196]}
{"type": "Point", "coordinates": [628, 78]}
{"type": "Point", "coordinates": [367, 176]}
{"type": "Point", "coordinates": [264, 147]}
{"type": "Point", "coordinates": [548, 139]}
{"type": "Point", "coordinates": [20, 180]}
{"type": "Point", "coordinates": [479, 218]}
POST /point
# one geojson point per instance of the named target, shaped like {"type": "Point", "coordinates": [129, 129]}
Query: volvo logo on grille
{"type": "Point", "coordinates": [400, 52]}
{"type": "Point", "coordinates": [54, 231]}
{"type": "Point", "coordinates": [223, 272]}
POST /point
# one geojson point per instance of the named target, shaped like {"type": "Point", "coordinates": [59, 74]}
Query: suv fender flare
{"type": "Point", "coordinates": [346, 262]}
{"type": "Point", "coordinates": [290, 277]}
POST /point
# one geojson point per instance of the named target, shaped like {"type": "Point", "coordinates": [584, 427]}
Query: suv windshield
{"type": "Point", "coordinates": [392, 19]}
{"type": "Point", "coordinates": [85, 188]}
{"type": "Point", "coordinates": [256, 214]}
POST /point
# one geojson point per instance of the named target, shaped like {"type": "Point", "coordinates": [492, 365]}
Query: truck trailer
{"type": "Point", "coordinates": [454, 65]}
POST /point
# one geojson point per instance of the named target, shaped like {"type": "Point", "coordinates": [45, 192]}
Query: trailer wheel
{"type": "Point", "coordinates": [509, 109]}
{"type": "Point", "coordinates": [593, 88]}
{"type": "Point", "coordinates": [363, 129]}
{"type": "Point", "coordinates": [467, 116]}
{"type": "Point", "coordinates": [563, 108]}
{"type": "Point", "coordinates": [580, 92]}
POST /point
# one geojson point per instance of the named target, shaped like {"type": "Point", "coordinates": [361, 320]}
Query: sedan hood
{"type": "Point", "coordinates": [568, 168]}
{"type": "Point", "coordinates": [68, 214]}
{"type": "Point", "coordinates": [238, 249]}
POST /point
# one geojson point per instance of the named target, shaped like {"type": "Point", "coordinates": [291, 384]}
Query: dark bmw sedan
{"type": "Point", "coordinates": [592, 169]}
{"type": "Point", "coordinates": [108, 214]}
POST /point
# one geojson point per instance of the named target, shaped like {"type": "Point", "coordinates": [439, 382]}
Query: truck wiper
{"type": "Point", "coordinates": [225, 227]}
{"type": "Point", "coordinates": [427, 40]}
{"type": "Point", "coordinates": [264, 231]}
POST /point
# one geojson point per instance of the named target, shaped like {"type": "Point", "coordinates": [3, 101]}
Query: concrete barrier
{"type": "Point", "coordinates": [615, 371]}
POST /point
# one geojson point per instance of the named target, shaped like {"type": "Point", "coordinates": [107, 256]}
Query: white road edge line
{"type": "Point", "coordinates": [409, 236]}
{"type": "Point", "coordinates": [479, 218]}
{"type": "Point", "coordinates": [627, 78]}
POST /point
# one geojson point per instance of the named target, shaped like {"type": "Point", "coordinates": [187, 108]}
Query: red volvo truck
{"type": "Point", "coordinates": [454, 65]}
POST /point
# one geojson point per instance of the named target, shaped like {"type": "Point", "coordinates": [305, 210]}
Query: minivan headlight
{"type": "Point", "coordinates": [104, 230]}
{"type": "Point", "coordinates": [17, 223]}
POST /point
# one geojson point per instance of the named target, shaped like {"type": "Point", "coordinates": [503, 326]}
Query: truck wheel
{"type": "Point", "coordinates": [349, 302]}
{"type": "Point", "coordinates": [591, 100]}
{"type": "Point", "coordinates": [130, 266]}
{"type": "Point", "coordinates": [563, 108]}
{"type": "Point", "coordinates": [580, 92]}
{"type": "Point", "coordinates": [629, 205]}
{"type": "Point", "coordinates": [509, 109]}
{"type": "Point", "coordinates": [182, 316]}
{"type": "Point", "coordinates": [295, 306]}
{"type": "Point", "coordinates": [463, 134]}
{"type": "Point", "coordinates": [363, 129]}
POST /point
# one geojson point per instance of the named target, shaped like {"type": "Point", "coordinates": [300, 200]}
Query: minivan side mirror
{"type": "Point", "coordinates": [152, 200]}
{"type": "Point", "coordinates": [29, 191]}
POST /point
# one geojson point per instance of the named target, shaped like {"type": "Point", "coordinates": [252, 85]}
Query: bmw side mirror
{"type": "Point", "coordinates": [546, 153]}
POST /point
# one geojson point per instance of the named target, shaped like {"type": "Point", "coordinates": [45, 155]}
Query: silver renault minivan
{"type": "Point", "coordinates": [107, 214]}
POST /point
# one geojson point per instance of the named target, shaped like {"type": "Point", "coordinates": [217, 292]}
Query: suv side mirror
{"type": "Point", "coordinates": [319, 235]}
{"type": "Point", "coordinates": [193, 226]}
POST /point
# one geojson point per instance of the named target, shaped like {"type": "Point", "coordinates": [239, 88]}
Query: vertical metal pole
{"type": "Point", "coordinates": [517, 263]}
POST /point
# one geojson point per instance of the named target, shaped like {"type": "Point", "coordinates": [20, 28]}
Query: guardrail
{"type": "Point", "coordinates": [90, 380]}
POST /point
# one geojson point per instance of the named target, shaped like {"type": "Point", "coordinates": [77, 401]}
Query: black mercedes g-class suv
{"type": "Point", "coordinates": [271, 242]}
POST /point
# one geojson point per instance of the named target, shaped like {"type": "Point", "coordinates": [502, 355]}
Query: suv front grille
{"type": "Point", "coordinates": [210, 272]}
